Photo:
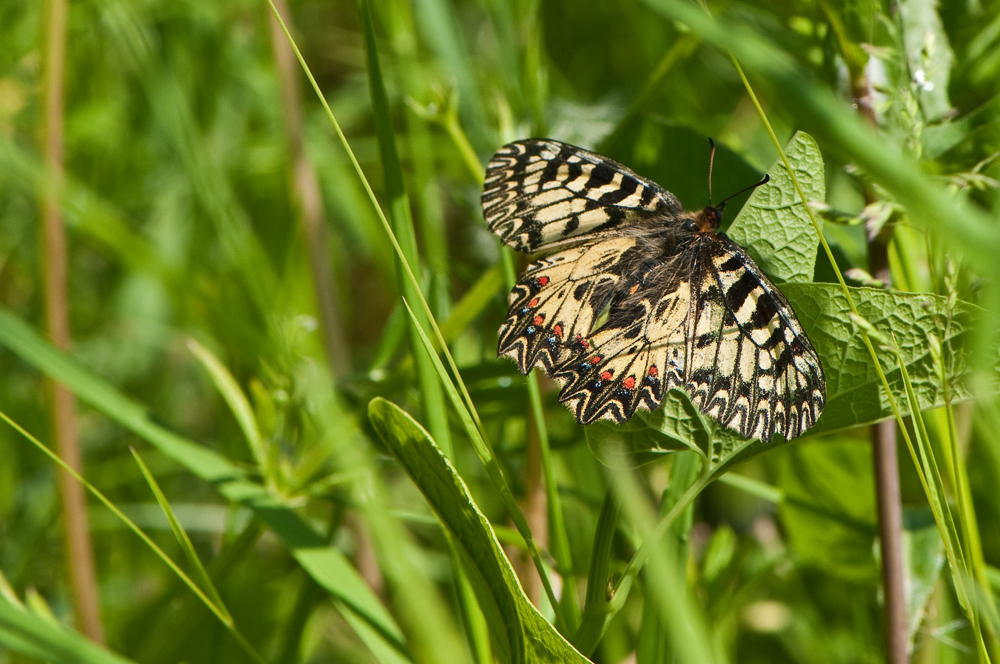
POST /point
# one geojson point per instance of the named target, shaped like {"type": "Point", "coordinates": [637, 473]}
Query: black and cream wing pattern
{"type": "Point", "coordinates": [636, 296]}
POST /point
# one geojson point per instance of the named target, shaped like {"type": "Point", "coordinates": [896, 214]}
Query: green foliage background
{"type": "Point", "coordinates": [315, 498]}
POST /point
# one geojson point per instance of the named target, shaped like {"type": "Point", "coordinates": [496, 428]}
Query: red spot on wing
{"type": "Point", "coordinates": [542, 281]}
{"type": "Point", "coordinates": [539, 319]}
{"type": "Point", "coordinates": [533, 303]}
{"type": "Point", "coordinates": [653, 371]}
{"type": "Point", "coordinates": [583, 342]}
{"type": "Point", "coordinates": [595, 359]}
{"type": "Point", "coordinates": [557, 330]}
{"type": "Point", "coordinates": [629, 382]}
{"type": "Point", "coordinates": [605, 375]}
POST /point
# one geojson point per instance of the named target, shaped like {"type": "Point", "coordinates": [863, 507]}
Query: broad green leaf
{"type": "Point", "coordinates": [34, 636]}
{"type": "Point", "coordinates": [854, 392]}
{"type": "Point", "coordinates": [519, 631]}
{"type": "Point", "coordinates": [917, 320]}
{"type": "Point", "coordinates": [328, 566]}
{"type": "Point", "coordinates": [676, 425]}
{"type": "Point", "coordinates": [774, 225]}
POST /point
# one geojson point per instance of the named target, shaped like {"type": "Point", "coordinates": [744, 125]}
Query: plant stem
{"type": "Point", "coordinates": [883, 434]}
{"type": "Point", "coordinates": [80, 555]}
{"type": "Point", "coordinates": [534, 512]}
{"type": "Point", "coordinates": [890, 532]}
{"type": "Point", "coordinates": [310, 203]}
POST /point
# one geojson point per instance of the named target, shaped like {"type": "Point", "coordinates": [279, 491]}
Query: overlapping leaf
{"type": "Point", "coordinates": [518, 630]}
{"type": "Point", "coordinates": [774, 225]}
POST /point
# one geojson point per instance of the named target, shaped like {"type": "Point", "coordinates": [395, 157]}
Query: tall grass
{"type": "Point", "coordinates": [422, 501]}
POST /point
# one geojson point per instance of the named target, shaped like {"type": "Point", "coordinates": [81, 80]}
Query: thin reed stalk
{"type": "Point", "coordinates": [79, 555]}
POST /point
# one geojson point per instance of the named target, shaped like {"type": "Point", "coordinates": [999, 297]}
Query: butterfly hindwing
{"type": "Point", "coordinates": [637, 355]}
{"type": "Point", "coordinates": [541, 192]}
{"type": "Point", "coordinates": [555, 302]}
{"type": "Point", "coordinates": [767, 377]}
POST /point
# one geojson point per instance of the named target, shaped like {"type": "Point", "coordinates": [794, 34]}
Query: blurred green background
{"type": "Point", "coordinates": [207, 197]}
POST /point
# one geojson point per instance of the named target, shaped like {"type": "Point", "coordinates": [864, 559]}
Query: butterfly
{"type": "Point", "coordinates": [635, 296]}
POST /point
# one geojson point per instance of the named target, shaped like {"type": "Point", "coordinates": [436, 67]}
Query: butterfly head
{"type": "Point", "coordinates": [708, 220]}
{"type": "Point", "coordinates": [705, 221]}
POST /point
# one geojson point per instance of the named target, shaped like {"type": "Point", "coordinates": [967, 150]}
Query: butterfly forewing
{"type": "Point", "coordinates": [685, 308]}
{"type": "Point", "coordinates": [541, 192]}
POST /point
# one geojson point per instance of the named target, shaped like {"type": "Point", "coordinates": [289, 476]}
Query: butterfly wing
{"type": "Point", "coordinates": [541, 192]}
{"type": "Point", "coordinates": [710, 321]}
{"type": "Point", "coordinates": [555, 302]}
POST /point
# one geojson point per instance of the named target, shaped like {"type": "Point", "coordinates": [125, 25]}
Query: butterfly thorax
{"type": "Point", "coordinates": [687, 229]}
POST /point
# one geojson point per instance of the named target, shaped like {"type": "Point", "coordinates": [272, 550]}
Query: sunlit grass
{"type": "Point", "coordinates": [183, 224]}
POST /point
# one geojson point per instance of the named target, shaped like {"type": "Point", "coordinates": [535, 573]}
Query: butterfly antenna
{"type": "Point", "coordinates": [764, 180]}
{"type": "Point", "coordinates": [711, 160]}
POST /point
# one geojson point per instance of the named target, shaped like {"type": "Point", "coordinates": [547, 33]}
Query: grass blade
{"type": "Point", "coordinates": [32, 636]}
{"type": "Point", "coordinates": [240, 407]}
{"type": "Point", "coordinates": [403, 231]}
{"type": "Point", "coordinates": [325, 564]}
{"type": "Point", "coordinates": [666, 588]}
{"type": "Point", "coordinates": [218, 610]}
{"type": "Point", "coordinates": [183, 540]}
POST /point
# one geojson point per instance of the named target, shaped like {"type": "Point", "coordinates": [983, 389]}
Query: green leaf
{"type": "Point", "coordinates": [854, 392]}
{"type": "Point", "coordinates": [774, 225]}
{"type": "Point", "coordinates": [674, 426]}
{"type": "Point", "coordinates": [34, 636]}
{"type": "Point", "coordinates": [519, 631]}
